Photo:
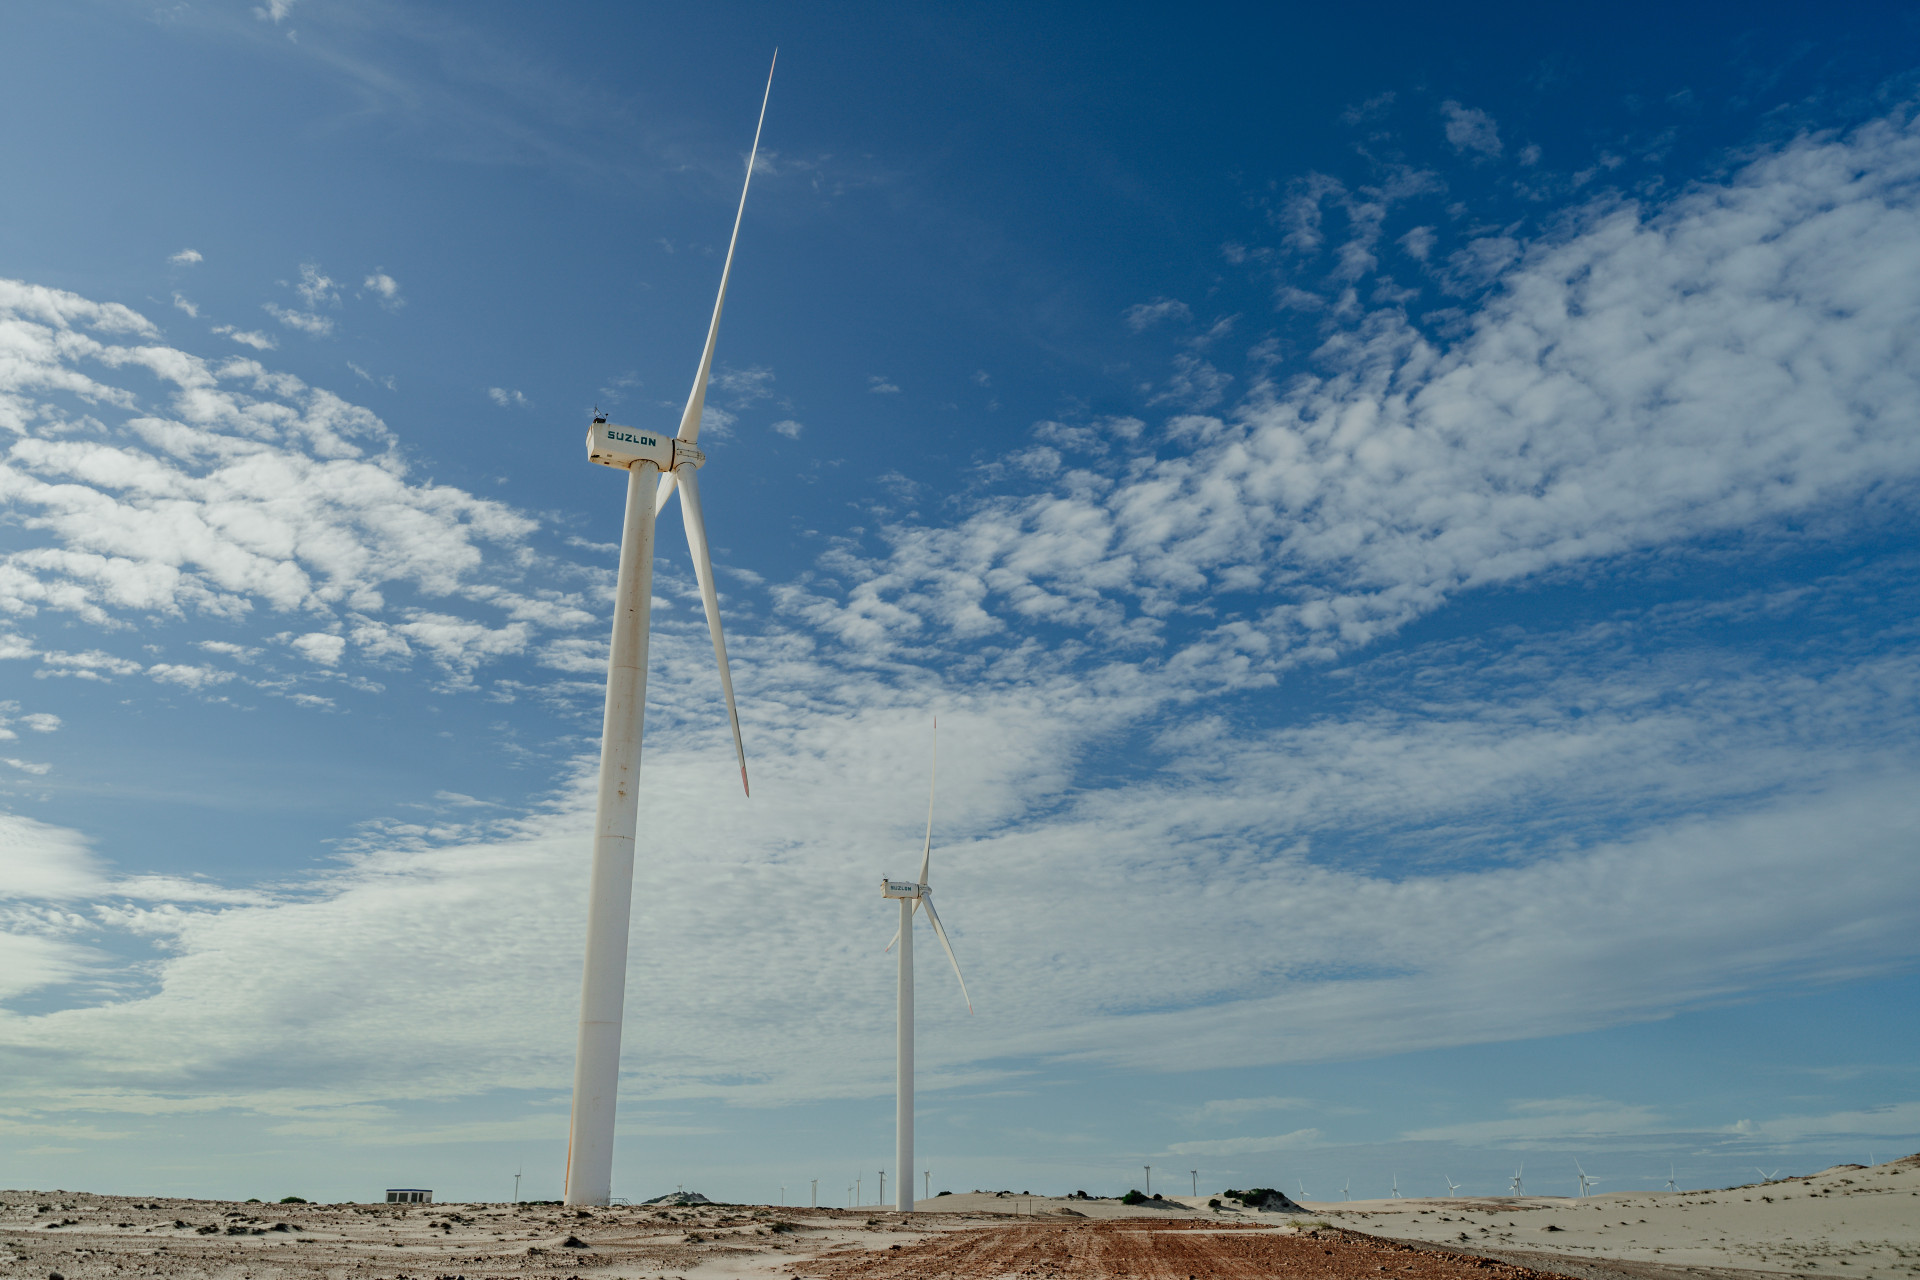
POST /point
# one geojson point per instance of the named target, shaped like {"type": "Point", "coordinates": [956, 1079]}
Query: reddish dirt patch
{"type": "Point", "coordinates": [1157, 1251]}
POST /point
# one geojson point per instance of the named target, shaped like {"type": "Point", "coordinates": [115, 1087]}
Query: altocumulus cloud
{"type": "Point", "coordinates": [224, 489]}
{"type": "Point", "coordinates": [1589, 822]}
{"type": "Point", "coordinates": [1654, 374]}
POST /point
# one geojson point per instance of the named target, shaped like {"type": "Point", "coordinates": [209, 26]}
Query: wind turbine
{"type": "Point", "coordinates": [1302, 1183]}
{"type": "Point", "coordinates": [1343, 1190]}
{"type": "Point", "coordinates": [653, 465]}
{"type": "Point", "coordinates": [1516, 1188]}
{"type": "Point", "coordinates": [1672, 1175]}
{"type": "Point", "coordinates": [1453, 1186]}
{"type": "Point", "coordinates": [1766, 1177]}
{"type": "Point", "coordinates": [1586, 1183]}
{"type": "Point", "coordinates": [914, 895]}
{"type": "Point", "coordinates": [1396, 1188]}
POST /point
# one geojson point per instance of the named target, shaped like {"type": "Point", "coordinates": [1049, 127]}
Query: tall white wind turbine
{"type": "Point", "coordinates": [654, 465]}
{"type": "Point", "coordinates": [912, 897]}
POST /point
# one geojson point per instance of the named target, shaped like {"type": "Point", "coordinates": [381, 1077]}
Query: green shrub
{"type": "Point", "coordinates": [1132, 1197]}
{"type": "Point", "coordinates": [291, 1200]}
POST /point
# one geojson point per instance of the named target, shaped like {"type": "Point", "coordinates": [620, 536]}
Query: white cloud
{"type": "Point", "coordinates": [185, 257]}
{"type": "Point", "coordinates": [185, 306]}
{"type": "Point", "coordinates": [1551, 1119]}
{"type": "Point", "coordinates": [44, 862]}
{"type": "Point", "coordinates": [1231, 1108]}
{"type": "Point", "coordinates": [315, 288]}
{"type": "Point", "coordinates": [881, 386]}
{"type": "Point", "coordinates": [507, 399]}
{"type": "Point", "coordinates": [386, 381]}
{"type": "Point", "coordinates": [187, 676]}
{"type": "Point", "coordinates": [744, 387]}
{"type": "Point", "coordinates": [387, 288]}
{"type": "Point", "coordinates": [248, 338]}
{"type": "Point", "coordinates": [94, 664]}
{"type": "Point", "coordinates": [788, 428]}
{"type": "Point", "coordinates": [1891, 1120]}
{"type": "Point", "coordinates": [1470, 129]}
{"type": "Point", "coordinates": [305, 321]}
{"type": "Point", "coordinates": [1650, 375]}
{"type": "Point", "coordinates": [1144, 315]}
{"type": "Point", "coordinates": [274, 10]}
{"type": "Point", "coordinates": [320, 647]}
{"type": "Point", "coordinates": [1195, 385]}
{"type": "Point", "coordinates": [1247, 1146]}
{"type": "Point", "coordinates": [239, 489]}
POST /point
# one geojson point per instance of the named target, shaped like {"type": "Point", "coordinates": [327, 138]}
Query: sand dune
{"type": "Point", "coordinates": [1847, 1221]}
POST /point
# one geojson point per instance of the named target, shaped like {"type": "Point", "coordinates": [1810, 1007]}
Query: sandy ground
{"type": "Point", "coordinates": [1846, 1222]}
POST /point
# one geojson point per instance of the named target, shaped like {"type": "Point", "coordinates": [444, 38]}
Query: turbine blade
{"type": "Point", "coordinates": [933, 918]}
{"type": "Point", "coordinates": [690, 418]}
{"type": "Point", "coordinates": [933, 776]}
{"type": "Point", "coordinates": [703, 570]}
{"type": "Point", "coordinates": [663, 493]}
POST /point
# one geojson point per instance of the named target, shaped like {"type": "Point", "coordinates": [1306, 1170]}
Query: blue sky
{"type": "Point", "coordinates": [1405, 520]}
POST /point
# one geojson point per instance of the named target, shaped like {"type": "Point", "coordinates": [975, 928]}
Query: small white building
{"type": "Point", "coordinates": [409, 1195]}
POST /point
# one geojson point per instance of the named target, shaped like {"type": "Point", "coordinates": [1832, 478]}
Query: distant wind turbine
{"type": "Point", "coordinates": [1396, 1188]}
{"type": "Point", "coordinates": [1672, 1176]}
{"type": "Point", "coordinates": [913, 895]}
{"type": "Point", "coordinates": [1453, 1186]}
{"type": "Point", "coordinates": [654, 464]}
{"type": "Point", "coordinates": [1517, 1188]}
{"type": "Point", "coordinates": [1344, 1190]}
{"type": "Point", "coordinates": [1586, 1183]}
{"type": "Point", "coordinates": [1302, 1183]}
{"type": "Point", "coordinates": [1766, 1177]}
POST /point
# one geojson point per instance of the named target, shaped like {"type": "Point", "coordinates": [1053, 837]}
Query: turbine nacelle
{"type": "Point", "coordinates": [612, 445]}
{"type": "Point", "coordinates": [901, 889]}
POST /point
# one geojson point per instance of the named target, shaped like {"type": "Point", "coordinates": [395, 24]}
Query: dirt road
{"type": "Point", "coordinates": [1154, 1251]}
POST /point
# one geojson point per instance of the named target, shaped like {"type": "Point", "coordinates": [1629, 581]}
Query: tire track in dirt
{"type": "Point", "coordinates": [1156, 1251]}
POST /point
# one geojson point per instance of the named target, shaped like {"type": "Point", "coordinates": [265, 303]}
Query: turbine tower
{"type": "Point", "coordinates": [654, 465]}
{"type": "Point", "coordinates": [912, 897]}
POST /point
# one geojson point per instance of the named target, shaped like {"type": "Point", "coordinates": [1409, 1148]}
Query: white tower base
{"type": "Point", "coordinates": [903, 1115]}
{"type": "Point", "coordinates": [603, 984]}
